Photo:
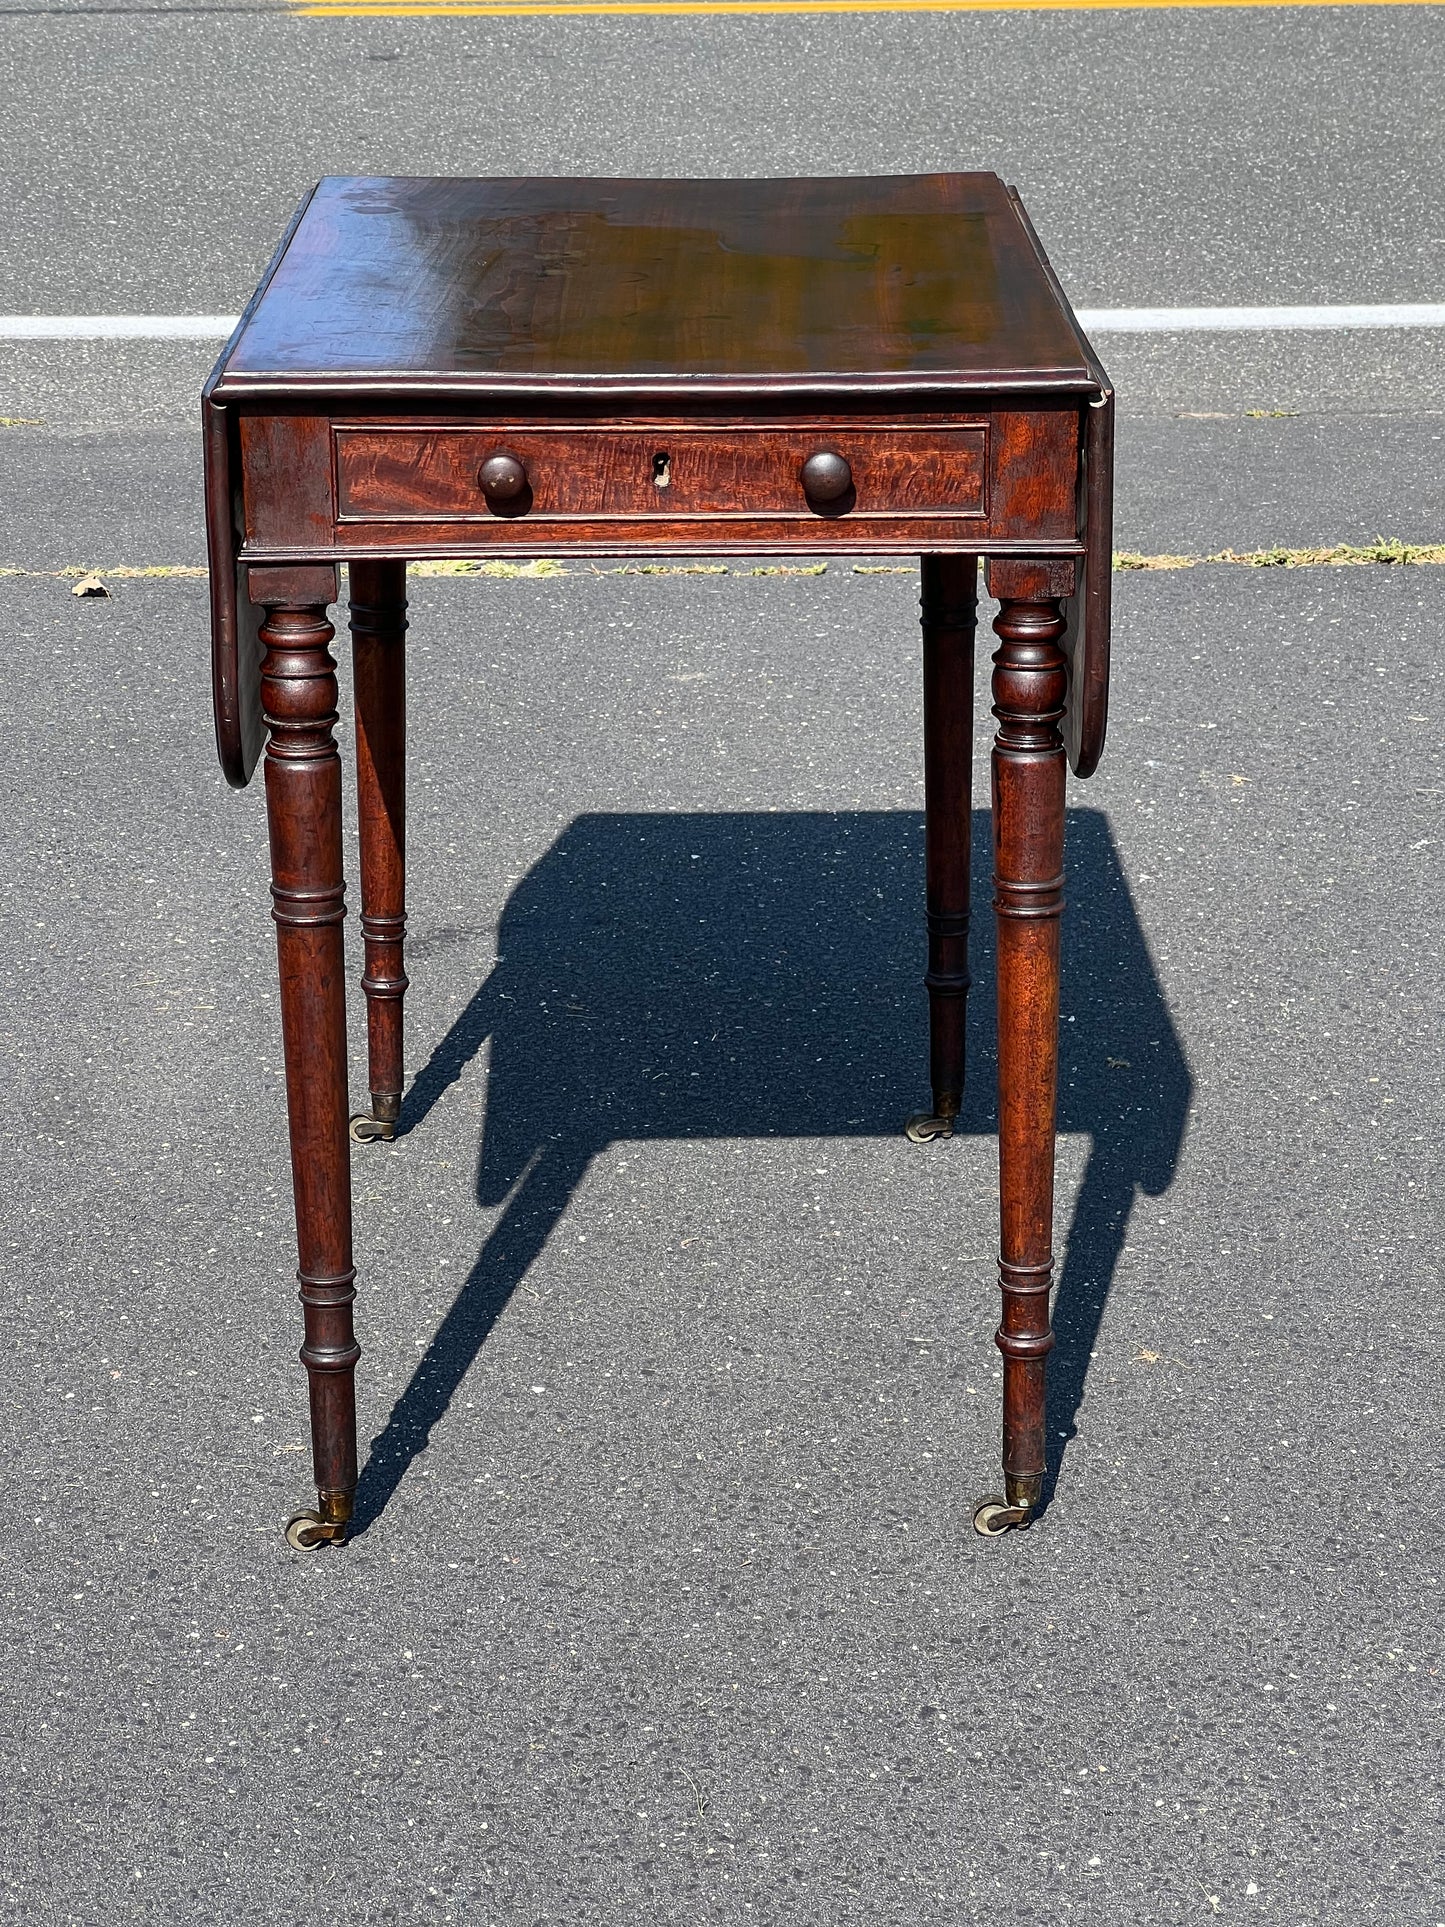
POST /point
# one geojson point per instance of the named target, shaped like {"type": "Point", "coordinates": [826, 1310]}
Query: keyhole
{"type": "Point", "coordinates": [662, 470]}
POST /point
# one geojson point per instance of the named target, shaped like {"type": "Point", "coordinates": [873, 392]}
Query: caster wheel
{"type": "Point", "coordinates": [994, 1515]}
{"type": "Point", "coordinates": [306, 1530]}
{"type": "Point", "coordinates": [923, 1127]}
{"type": "Point", "coordinates": [366, 1129]}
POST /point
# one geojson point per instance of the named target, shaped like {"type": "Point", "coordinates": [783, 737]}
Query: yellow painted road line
{"type": "Point", "coordinates": [529, 9]}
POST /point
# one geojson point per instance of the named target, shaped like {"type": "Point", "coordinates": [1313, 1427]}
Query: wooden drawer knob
{"type": "Point", "coordinates": [503, 477]}
{"type": "Point", "coordinates": [826, 476]}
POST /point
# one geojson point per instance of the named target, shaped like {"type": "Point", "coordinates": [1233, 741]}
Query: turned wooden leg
{"type": "Point", "coordinates": [303, 803]}
{"type": "Point", "coordinates": [378, 632]}
{"type": "Point", "coordinates": [949, 603]}
{"type": "Point", "coordinates": [1029, 688]}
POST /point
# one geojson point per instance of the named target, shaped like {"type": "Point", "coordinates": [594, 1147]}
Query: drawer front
{"type": "Point", "coordinates": [595, 475]}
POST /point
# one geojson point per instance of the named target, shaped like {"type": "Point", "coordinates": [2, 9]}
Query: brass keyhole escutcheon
{"type": "Point", "coordinates": [662, 469]}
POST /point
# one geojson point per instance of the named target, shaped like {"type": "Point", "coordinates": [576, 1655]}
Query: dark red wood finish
{"type": "Point", "coordinates": [356, 486]}
{"type": "Point", "coordinates": [577, 473]}
{"type": "Point", "coordinates": [508, 368]}
{"type": "Point", "coordinates": [1030, 682]}
{"type": "Point", "coordinates": [1088, 610]}
{"type": "Point", "coordinates": [480, 288]}
{"type": "Point", "coordinates": [659, 305]}
{"type": "Point", "coordinates": [378, 640]}
{"type": "Point", "coordinates": [949, 604]}
{"type": "Point", "coordinates": [303, 806]}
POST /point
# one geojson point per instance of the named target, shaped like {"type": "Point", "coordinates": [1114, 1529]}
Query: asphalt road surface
{"type": "Point", "coordinates": [678, 1381]}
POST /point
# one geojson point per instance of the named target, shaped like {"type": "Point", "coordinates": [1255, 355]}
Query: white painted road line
{"type": "Point", "coordinates": [116, 327]}
{"type": "Point", "coordinates": [1159, 321]}
{"type": "Point", "coordinates": [1104, 321]}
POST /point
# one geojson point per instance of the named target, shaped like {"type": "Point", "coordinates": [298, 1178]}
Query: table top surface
{"type": "Point", "coordinates": [930, 282]}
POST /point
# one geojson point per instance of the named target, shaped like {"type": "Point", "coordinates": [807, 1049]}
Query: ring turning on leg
{"type": "Point", "coordinates": [303, 805]}
{"type": "Point", "coordinates": [1030, 682]}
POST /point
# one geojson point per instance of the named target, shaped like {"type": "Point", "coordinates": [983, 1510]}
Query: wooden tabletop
{"type": "Point", "coordinates": [910, 283]}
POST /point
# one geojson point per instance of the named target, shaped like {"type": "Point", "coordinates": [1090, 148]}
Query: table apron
{"type": "Point", "coordinates": [316, 486]}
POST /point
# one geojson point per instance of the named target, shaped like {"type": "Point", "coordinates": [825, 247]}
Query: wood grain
{"type": "Point", "coordinates": [647, 366]}
{"type": "Point", "coordinates": [502, 284]}
{"type": "Point", "coordinates": [287, 494]}
{"type": "Point", "coordinates": [378, 644]}
{"type": "Point", "coordinates": [1030, 682]}
{"type": "Point", "coordinates": [665, 471]}
{"type": "Point", "coordinates": [303, 806]}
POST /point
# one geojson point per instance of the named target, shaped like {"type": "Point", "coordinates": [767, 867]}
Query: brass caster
{"type": "Point", "coordinates": [993, 1515]}
{"type": "Point", "coordinates": [309, 1529]}
{"type": "Point", "coordinates": [366, 1129]}
{"type": "Point", "coordinates": [923, 1127]}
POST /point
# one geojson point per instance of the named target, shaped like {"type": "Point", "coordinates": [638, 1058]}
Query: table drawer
{"type": "Point", "coordinates": [574, 474]}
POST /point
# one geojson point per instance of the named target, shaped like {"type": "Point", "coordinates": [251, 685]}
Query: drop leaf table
{"type": "Point", "coordinates": [511, 368]}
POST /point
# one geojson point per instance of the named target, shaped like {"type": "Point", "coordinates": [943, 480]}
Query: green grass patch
{"type": "Point", "coordinates": [1385, 550]}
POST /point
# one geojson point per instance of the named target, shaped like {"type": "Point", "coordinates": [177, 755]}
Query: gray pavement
{"type": "Point", "coordinates": [678, 1357]}
{"type": "Point", "coordinates": [678, 1379]}
{"type": "Point", "coordinates": [1166, 157]}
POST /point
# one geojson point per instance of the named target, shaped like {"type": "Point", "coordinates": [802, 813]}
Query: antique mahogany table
{"type": "Point", "coordinates": [504, 368]}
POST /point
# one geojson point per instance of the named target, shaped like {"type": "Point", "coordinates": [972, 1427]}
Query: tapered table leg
{"type": "Point", "coordinates": [303, 804]}
{"type": "Point", "coordinates": [949, 605]}
{"type": "Point", "coordinates": [378, 631]}
{"type": "Point", "coordinates": [1029, 688]}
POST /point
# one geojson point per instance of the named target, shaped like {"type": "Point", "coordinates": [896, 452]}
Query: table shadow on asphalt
{"type": "Point", "coordinates": [726, 975]}
{"type": "Point", "coordinates": [728, 1538]}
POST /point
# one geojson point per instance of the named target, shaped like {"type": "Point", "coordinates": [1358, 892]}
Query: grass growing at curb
{"type": "Point", "coordinates": [123, 572]}
{"type": "Point", "coordinates": [543, 566]}
{"type": "Point", "coordinates": [1343, 555]}
{"type": "Point", "coordinates": [1384, 550]}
